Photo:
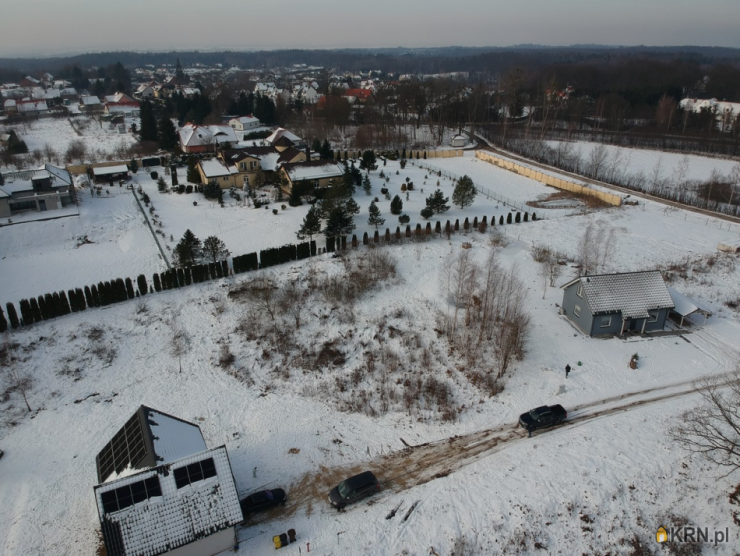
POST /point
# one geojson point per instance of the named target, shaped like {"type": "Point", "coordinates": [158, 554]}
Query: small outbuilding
{"type": "Point", "coordinates": [616, 304]}
{"type": "Point", "coordinates": [110, 173]}
{"type": "Point", "coordinates": [458, 141]}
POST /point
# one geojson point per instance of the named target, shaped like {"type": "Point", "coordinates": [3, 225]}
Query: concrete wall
{"type": "Point", "coordinates": [4, 208]}
{"type": "Point", "coordinates": [547, 179]}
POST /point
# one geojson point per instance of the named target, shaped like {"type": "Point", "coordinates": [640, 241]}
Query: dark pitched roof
{"type": "Point", "coordinates": [148, 438]}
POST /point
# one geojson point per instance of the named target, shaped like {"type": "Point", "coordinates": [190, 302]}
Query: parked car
{"type": "Point", "coordinates": [262, 500]}
{"type": "Point", "coordinates": [353, 489]}
{"type": "Point", "coordinates": [544, 416]}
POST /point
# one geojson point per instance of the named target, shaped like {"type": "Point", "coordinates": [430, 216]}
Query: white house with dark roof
{"type": "Point", "coordinates": [608, 304]}
{"type": "Point", "coordinates": [201, 138]}
{"type": "Point", "coordinates": [162, 491]}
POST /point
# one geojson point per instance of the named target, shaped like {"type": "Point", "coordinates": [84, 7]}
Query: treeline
{"type": "Point", "coordinates": [52, 305]}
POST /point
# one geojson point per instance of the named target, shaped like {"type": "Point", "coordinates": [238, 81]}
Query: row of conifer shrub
{"type": "Point", "coordinates": [52, 305]}
{"type": "Point", "coordinates": [341, 243]}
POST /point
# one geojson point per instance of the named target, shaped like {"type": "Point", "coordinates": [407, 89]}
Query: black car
{"type": "Point", "coordinates": [262, 500]}
{"type": "Point", "coordinates": [354, 489]}
{"type": "Point", "coordinates": [544, 416]}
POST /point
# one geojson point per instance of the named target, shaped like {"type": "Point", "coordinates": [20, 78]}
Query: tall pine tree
{"type": "Point", "coordinates": [375, 219]}
{"type": "Point", "coordinates": [148, 129]}
{"type": "Point", "coordinates": [311, 225]}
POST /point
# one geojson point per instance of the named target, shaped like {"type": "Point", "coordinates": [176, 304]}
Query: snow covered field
{"type": "Point", "coordinates": [599, 485]}
{"type": "Point", "coordinates": [655, 170]}
{"type": "Point", "coordinates": [102, 142]}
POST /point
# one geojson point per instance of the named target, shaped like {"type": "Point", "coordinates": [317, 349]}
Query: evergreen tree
{"type": "Point", "coordinates": [173, 174]}
{"type": "Point", "coordinates": [211, 190]}
{"type": "Point", "coordinates": [133, 166]}
{"type": "Point", "coordinates": [148, 129]}
{"type": "Point", "coordinates": [352, 206]}
{"type": "Point", "coordinates": [437, 202]}
{"type": "Point", "coordinates": [316, 145]}
{"type": "Point", "coordinates": [214, 249]}
{"type": "Point", "coordinates": [464, 193]}
{"type": "Point", "coordinates": [179, 74]}
{"type": "Point", "coordinates": [340, 222]}
{"type": "Point", "coordinates": [12, 315]}
{"type": "Point", "coordinates": [188, 250]}
{"type": "Point", "coordinates": [404, 219]}
{"type": "Point", "coordinates": [366, 185]}
{"type": "Point", "coordinates": [295, 197]}
{"type": "Point", "coordinates": [161, 185]}
{"type": "Point", "coordinates": [396, 205]}
{"type": "Point", "coordinates": [501, 220]}
{"type": "Point", "coordinates": [368, 162]}
{"type": "Point", "coordinates": [427, 212]}
{"type": "Point", "coordinates": [3, 322]}
{"type": "Point", "coordinates": [193, 174]}
{"type": "Point", "coordinates": [375, 219]}
{"type": "Point", "coordinates": [518, 218]}
{"type": "Point", "coordinates": [36, 310]}
{"type": "Point", "coordinates": [311, 225]}
{"type": "Point", "coordinates": [167, 134]}
{"type": "Point", "coordinates": [326, 151]}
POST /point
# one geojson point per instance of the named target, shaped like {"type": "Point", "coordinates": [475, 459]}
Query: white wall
{"type": "Point", "coordinates": [208, 546]}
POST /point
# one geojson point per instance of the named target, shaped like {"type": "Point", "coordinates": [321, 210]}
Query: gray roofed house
{"type": "Point", "coordinates": [608, 304]}
{"type": "Point", "coordinates": [163, 492]}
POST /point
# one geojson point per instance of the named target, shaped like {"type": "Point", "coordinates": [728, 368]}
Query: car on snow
{"type": "Point", "coordinates": [543, 416]}
{"type": "Point", "coordinates": [353, 489]}
{"type": "Point", "coordinates": [262, 500]}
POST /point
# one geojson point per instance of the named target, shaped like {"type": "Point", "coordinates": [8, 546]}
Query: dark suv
{"type": "Point", "coordinates": [543, 416]}
{"type": "Point", "coordinates": [354, 489]}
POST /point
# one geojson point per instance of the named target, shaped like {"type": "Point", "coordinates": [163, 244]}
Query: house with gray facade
{"type": "Point", "coordinates": [617, 304]}
{"type": "Point", "coordinates": [46, 188]}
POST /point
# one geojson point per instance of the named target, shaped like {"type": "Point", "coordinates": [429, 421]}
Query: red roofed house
{"type": "Point", "coordinates": [359, 95]}
{"type": "Point", "coordinates": [121, 103]}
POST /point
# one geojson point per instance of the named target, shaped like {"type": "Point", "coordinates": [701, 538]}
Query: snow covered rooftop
{"type": "Point", "coordinates": [89, 100]}
{"type": "Point", "coordinates": [631, 293]}
{"type": "Point", "coordinates": [148, 438]}
{"type": "Point", "coordinates": [314, 170]}
{"type": "Point", "coordinates": [192, 135]}
{"type": "Point", "coordinates": [213, 168]}
{"type": "Point", "coordinates": [169, 506]}
{"type": "Point", "coordinates": [279, 133]}
{"type": "Point", "coordinates": [108, 170]}
{"type": "Point", "coordinates": [246, 120]}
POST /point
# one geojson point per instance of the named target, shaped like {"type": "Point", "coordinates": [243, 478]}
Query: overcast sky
{"type": "Point", "coordinates": [52, 27]}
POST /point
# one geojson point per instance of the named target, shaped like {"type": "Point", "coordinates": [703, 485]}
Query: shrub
{"type": "Point", "coordinates": [364, 239]}
{"type": "Point", "coordinates": [12, 315]}
{"type": "Point", "coordinates": [142, 285]}
{"type": "Point", "coordinates": [154, 175]}
{"type": "Point", "coordinates": [518, 218]}
{"type": "Point", "coordinates": [508, 218]}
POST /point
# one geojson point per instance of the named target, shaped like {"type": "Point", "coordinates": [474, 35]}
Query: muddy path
{"type": "Point", "coordinates": [416, 465]}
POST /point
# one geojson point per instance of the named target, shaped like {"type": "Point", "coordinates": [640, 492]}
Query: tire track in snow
{"type": "Point", "coordinates": [417, 465]}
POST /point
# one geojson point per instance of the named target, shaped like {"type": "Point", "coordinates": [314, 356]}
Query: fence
{"type": "Point", "coordinates": [411, 154]}
{"type": "Point", "coordinates": [151, 229]}
{"type": "Point", "coordinates": [552, 181]}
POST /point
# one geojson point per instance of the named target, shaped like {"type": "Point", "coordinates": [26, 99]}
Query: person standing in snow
{"type": "Point", "coordinates": [567, 370]}
{"type": "Point", "coordinates": [530, 428]}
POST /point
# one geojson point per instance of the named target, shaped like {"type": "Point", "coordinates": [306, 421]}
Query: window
{"type": "Point", "coordinates": [577, 310]}
{"type": "Point", "coordinates": [652, 316]}
{"type": "Point", "coordinates": [606, 322]}
{"type": "Point", "coordinates": [194, 472]}
{"type": "Point", "coordinates": [579, 291]}
{"type": "Point", "coordinates": [242, 166]}
{"type": "Point", "coordinates": [125, 496]}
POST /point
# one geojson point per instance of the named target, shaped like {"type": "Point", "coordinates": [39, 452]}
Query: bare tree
{"type": "Point", "coordinates": [16, 381]}
{"type": "Point", "coordinates": [597, 159]}
{"type": "Point", "coordinates": [712, 429]}
{"type": "Point", "coordinates": [458, 278]}
{"type": "Point", "coordinates": [291, 302]}
{"type": "Point", "coordinates": [594, 247]}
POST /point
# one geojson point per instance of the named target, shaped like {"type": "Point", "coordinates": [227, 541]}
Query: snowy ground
{"type": "Point", "coordinates": [665, 168]}
{"type": "Point", "coordinates": [102, 141]}
{"type": "Point", "coordinates": [591, 487]}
